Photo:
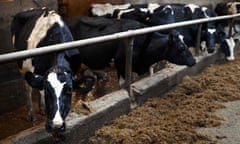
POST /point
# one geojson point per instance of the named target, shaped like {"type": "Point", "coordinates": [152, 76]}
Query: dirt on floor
{"type": "Point", "coordinates": [176, 117]}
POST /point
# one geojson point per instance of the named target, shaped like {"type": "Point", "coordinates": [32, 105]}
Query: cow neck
{"type": "Point", "coordinates": [61, 61]}
{"type": "Point", "coordinates": [165, 49]}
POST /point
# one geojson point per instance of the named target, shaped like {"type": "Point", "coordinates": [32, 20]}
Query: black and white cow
{"type": "Point", "coordinates": [122, 10]}
{"type": "Point", "coordinates": [147, 49]}
{"type": "Point", "coordinates": [49, 73]}
{"type": "Point", "coordinates": [157, 47]}
{"type": "Point", "coordinates": [184, 12]}
{"type": "Point", "coordinates": [107, 9]}
{"type": "Point", "coordinates": [138, 12]}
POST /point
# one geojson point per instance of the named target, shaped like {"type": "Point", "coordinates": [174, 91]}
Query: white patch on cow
{"type": "Point", "coordinates": [170, 7]}
{"type": "Point", "coordinates": [121, 81]}
{"type": "Point", "coordinates": [58, 87]}
{"type": "Point", "coordinates": [204, 10]}
{"type": "Point", "coordinates": [13, 39]}
{"type": "Point", "coordinates": [103, 9]}
{"type": "Point", "coordinates": [181, 37]}
{"type": "Point", "coordinates": [42, 25]}
{"type": "Point", "coordinates": [192, 7]}
{"type": "Point", "coordinates": [211, 31]}
{"type": "Point", "coordinates": [124, 11]}
{"type": "Point", "coordinates": [145, 10]}
{"type": "Point", "coordinates": [231, 45]}
{"type": "Point", "coordinates": [27, 66]}
{"type": "Point", "coordinates": [203, 45]}
{"type": "Point", "coordinates": [152, 7]}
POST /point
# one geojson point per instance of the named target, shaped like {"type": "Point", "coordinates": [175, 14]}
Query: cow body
{"type": "Point", "coordinates": [49, 73]}
{"type": "Point", "coordinates": [116, 50]}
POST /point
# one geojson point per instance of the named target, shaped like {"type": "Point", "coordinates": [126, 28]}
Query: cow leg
{"type": "Point", "coordinates": [28, 90]}
{"type": "Point", "coordinates": [42, 102]}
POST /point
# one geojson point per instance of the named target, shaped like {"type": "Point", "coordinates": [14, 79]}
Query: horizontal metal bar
{"type": "Point", "coordinates": [131, 33]}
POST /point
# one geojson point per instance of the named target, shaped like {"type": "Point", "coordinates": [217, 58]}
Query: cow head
{"type": "Point", "coordinates": [57, 85]}
{"type": "Point", "coordinates": [162, 15]}
{"type": "Point", "coordinates": [208, 35]}
{"type": "Point", "coordinates": [178, 50]}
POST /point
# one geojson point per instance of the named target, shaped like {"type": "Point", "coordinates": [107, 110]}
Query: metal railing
{"type": "Point", "coordinates": [13, 56]}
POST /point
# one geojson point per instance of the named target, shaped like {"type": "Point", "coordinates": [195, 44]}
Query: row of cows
{"type": "Point", "coordinates": [54, 74]}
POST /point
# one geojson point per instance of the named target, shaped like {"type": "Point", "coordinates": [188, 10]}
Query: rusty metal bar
{"type": "Point", "coordinates": [230, 27]}
{"type": "Point", "coordinates": [69, 45]}
{"type": "Point", "coordinates": [198, 39]}
{"type": "Point", "coordinates": [128, 67]}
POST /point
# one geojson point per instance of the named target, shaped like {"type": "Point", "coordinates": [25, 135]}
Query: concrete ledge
{"type": "Point", "coordinates": [166, 79]}
{"type": "Point", "coordinates": [79, 127]}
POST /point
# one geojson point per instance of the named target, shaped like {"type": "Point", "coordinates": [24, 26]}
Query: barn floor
{"type": "Point", "coordinates": [177, 117]}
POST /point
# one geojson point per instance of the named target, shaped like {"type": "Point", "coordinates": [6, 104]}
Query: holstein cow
{"type": "Point", "coordinates": [49, 73]}
{"type": "Point", "coordinates": [184, 12]}
{"type": "Point", "coordinates": [107, 9]}
{"type": "Point", "coordinates": [138, 12]}
{"type": "Point", "coordinates": [147, 49]}
{"type": "Point", "coordinates": [227, 43]}
{"type": "Point", "coordinates": [157, 47]}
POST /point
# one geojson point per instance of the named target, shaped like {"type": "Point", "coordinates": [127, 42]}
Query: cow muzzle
{"type": "Point", "coordinates": [52, 127]}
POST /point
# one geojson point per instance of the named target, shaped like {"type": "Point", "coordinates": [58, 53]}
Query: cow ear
{"type": "Point", "coordinates": [34, 80]}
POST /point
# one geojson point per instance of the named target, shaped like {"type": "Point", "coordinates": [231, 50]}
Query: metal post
{"type": "Point", "coordinates": [128, 67]}
{"type": "Point", "coordinates": [198, 39]}
{"type": "Point", "coordinates": [230, 27]}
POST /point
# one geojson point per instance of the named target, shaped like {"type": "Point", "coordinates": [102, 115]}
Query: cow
{"type": "Point", "coordinates": [169, 46]}
{"type": "Point", "coordinates": [138, 12]}
{"type": "Point", "coordinates": [51, 73]}
{"type": "Point", "coordinates": [114, 11]}
{"type": "Point", "coordinates": [107, 9]}
{"type": "Point", "coordinates": [158, 46]}
{"type": "Point", "coordinates": [184, 12]}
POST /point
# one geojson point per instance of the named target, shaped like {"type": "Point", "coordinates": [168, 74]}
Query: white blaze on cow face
{"type": "Point", "coordinates": [57, 87]}
{"type": "Point", "coordinates": [168, 6]}
{"type": "Point", "coordinates": [181, 37]}
{"type": "Point", "coordinates": [231, 46]}
{"type": "Point", "coordinates": [211, 30]}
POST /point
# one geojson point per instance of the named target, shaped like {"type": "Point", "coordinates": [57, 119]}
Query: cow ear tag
{"type": "Point", "coordinates": [147, 18]}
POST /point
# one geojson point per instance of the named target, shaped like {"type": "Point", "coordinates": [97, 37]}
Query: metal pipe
{"type": "Point", "coordinates": [198, 39]}
{"type": "Point", "coordinates": [230, 28]}
{"type": "Point", "coordinates": [128, 56]}
{"type": "Point", "coordinates": [131, 33]}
